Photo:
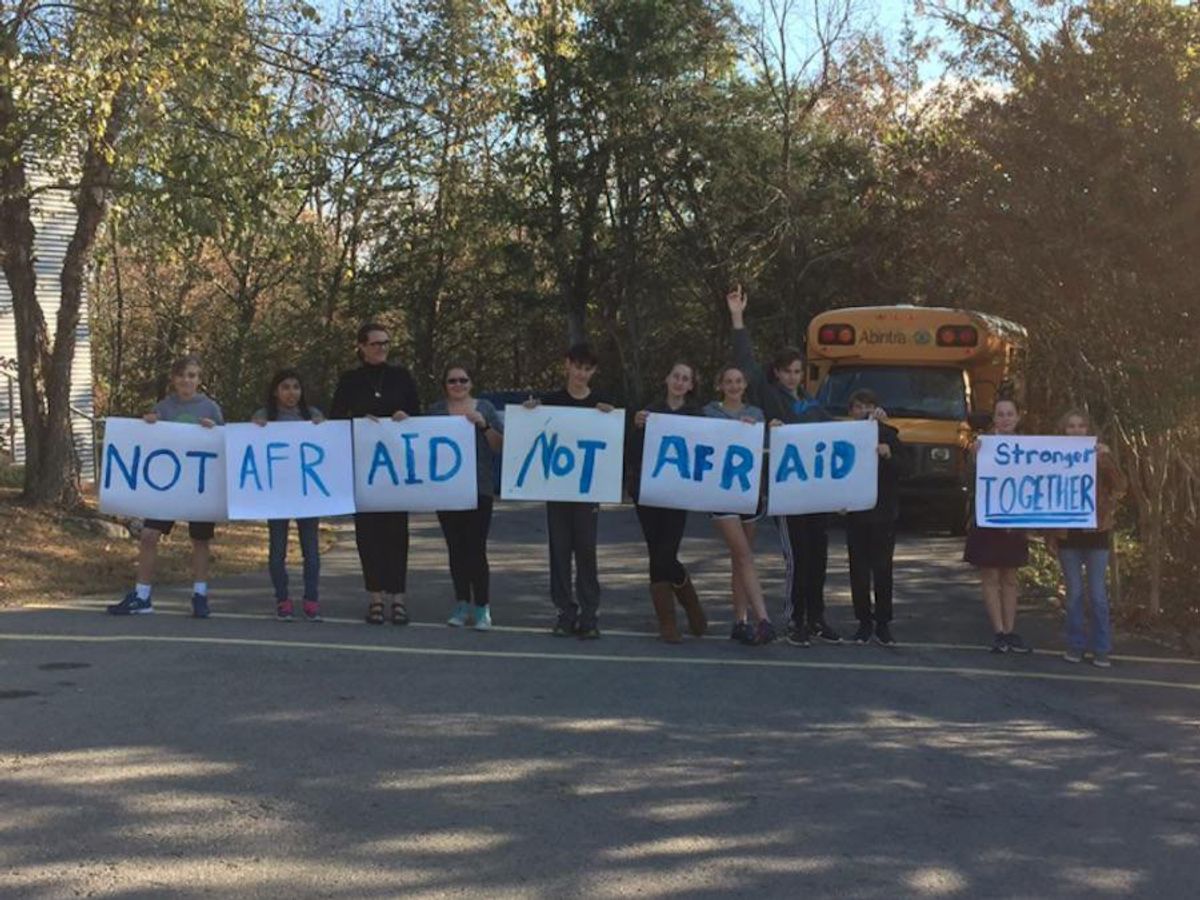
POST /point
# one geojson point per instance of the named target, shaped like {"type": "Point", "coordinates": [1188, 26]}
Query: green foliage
{"type": "Point", "coordinates": [493, 180]}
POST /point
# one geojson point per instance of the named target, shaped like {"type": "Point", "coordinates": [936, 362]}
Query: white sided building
{"type": "Point", "coordinates": [53, 216]}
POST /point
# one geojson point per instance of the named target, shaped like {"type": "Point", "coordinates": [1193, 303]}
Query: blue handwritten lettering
{"type": "Point", "coordinates": [739, 462]}
{"type": "Point", "coordinates": [672, 450]}
{"type": "Point", "coordinates": [156, 454]}
{"type": "Point", "coordinates": [308, 467]}
{"type": "Point", "coordinates": [443, 441]}
{"type": "Point", "coordinates": [112, 456]}
{"type": "Point", "coordinates": [249, 470]}
{"type": "Point", "coordinates": [382, 459]}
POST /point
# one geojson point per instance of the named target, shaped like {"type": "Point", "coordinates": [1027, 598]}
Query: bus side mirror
{"type": "Point", "coordinates": [979, 421]}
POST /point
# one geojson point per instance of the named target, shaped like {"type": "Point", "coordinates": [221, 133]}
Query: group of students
{"type": "Point", "coordinates": [377, 389]}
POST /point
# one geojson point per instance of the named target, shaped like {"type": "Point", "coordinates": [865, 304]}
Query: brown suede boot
{"type": "Point", "coordinates": [664, 608]}
{"type": "Point", "coordinates": [686, 595]}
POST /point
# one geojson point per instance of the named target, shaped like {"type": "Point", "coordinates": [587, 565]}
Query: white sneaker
{"type": "Point", "coordinates": [483, 618]}
{"type": "Point", "coordinates": [458, 618]}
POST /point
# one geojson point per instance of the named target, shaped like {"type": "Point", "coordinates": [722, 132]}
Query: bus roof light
{"type": "Point", "coordinates": [836, 335]}
{"type": "Point", "coordinates": [957, 336]}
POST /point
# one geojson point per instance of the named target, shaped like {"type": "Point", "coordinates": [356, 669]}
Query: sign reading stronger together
{"type": "Point", "coordinates": [1035, 482]}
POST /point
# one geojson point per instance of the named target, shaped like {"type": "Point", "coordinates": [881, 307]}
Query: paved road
{"type": "Point", "coordinates": [162, 756]}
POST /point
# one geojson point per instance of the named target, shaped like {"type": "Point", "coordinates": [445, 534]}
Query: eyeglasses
{"type": "Point", "coordinates": [458, 381]}
{"type": "Point", "coordinates": [378, 343]}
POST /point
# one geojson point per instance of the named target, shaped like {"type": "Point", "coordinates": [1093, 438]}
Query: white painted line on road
{"type": "Point", "coordinates": [185, 609]}
{"type": "Point", "coordinates": [596, 657]}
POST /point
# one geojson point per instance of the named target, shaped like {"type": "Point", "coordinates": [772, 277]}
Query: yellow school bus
{"type": "Point", "coordinates": [936, 371]}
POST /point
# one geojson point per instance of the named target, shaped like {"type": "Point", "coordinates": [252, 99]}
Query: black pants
{"type": "Point", "coordinates": [663, 529]}
{"type": "Point", "coordinates": [805, 542]}
{"type": "Point", "coordinates": [382, 539]}
{"type": "Point", "coordinates": [466, 532]}
{"type": "Point", "coordinates": [871, 546]}
{"type": "Point", "coordinates": [572, 531]}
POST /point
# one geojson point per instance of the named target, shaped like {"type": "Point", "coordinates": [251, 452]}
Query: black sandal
{"type": "Point", "coordinates": [375, 612]}
{"type": "Point", "coordinates": [399, 613]}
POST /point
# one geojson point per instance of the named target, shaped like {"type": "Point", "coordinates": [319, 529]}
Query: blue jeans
{"type": "Point", "coordinates": [1073, 561]}
{"type": "Point", "coordinates": [277, 564]}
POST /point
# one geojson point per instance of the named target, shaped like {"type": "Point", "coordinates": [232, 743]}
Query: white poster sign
{"type": "Point", "coordinates": [421, 464]}
{"type": "Point", "coordinates": [1035, 482]}
{"type": "Point", "coordinates": [562, 453]}
{"type": "Point", "coordinates": [165, 470]}
{"type": "Point", "coordinates": [823, 467]}
{"type": "Point", "coordinates": [289, 470]}
{"type": "Point", "coordinates": [703, 464]}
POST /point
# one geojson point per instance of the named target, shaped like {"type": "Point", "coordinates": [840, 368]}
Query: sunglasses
{"type": "Point", "coordinates": [378, 343]}
{"type": "Point", "coordinates": [458, 381]}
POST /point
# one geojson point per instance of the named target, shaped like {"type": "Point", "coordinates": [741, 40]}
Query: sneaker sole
{"type": "Point", "coordinates": [885, 643]}
{"type": "Point", "coordinates": [795, 643]}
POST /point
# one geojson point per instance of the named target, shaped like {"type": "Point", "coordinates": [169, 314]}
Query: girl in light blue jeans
{"type": "Point", "coordinates": [286, 403]}
{"type": "Point", "coordinates": [1083, 555]}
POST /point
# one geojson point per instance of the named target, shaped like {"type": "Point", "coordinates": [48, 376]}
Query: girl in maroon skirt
{"type": "Point", "coordinates": [998, 553]}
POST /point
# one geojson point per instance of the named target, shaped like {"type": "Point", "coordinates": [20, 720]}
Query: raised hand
{"type": "Point", "coordinates": [736, 301]}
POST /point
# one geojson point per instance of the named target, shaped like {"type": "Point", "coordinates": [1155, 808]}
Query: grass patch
{"type": "Point", "coordinates": [48, 556]}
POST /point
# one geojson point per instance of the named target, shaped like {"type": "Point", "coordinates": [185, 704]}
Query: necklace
{"type": "Point", "coordinates": [379, 383]}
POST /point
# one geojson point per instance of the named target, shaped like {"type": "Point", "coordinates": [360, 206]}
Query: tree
{"type": "Point", "coordinates": [88, 92]}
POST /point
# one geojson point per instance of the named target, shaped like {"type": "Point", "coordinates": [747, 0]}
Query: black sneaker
{"type": "Point", "coordinates": [764, 632]}
{"type": "Point", "coordinates": [1000, 643]}
{"type": "Point", "coordinates": [588, 632]}
{"type": "Point", "coordinates": [742, 633]}
{"type": "Point", "coordinates": [1015, 644]}
{"type": "Point", "coordinates": [565, 628]}
{"type": "Point", "coordinates": [863, 635]}
{"type": "Point", "coordinates": [883, 634]}
{"type": "Point", "coordinates": [827, 634]}
{"type": "Point", "coordinates": [797, 635]}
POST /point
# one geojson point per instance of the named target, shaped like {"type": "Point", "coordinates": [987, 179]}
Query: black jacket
{"type": "Point", "coordinates": [375, 391]}
{"type": "Point", "coordinates": [887, 506]}
{"type": "Point", "coordinates": [772, 398]}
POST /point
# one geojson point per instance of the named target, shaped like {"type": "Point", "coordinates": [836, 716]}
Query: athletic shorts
{"type": "Point", "coordinates": [197, 531]}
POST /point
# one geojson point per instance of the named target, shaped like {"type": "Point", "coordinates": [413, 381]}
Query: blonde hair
{"type": "Point", "coordinates": [1076, 413]}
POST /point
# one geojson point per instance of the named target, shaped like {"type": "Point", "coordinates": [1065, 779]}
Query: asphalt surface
{"type": "Point", "coordinates": [163, 756]}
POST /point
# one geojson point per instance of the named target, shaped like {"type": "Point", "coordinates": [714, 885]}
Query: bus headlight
{"type": "Point", "coordinates": [940, 454]}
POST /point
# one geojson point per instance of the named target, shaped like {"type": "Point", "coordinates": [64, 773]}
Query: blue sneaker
{"type": "Point", "coordinates": [483, 618]}
{"type": "Point", "coordinates": [132, 605]}
{"type": "Point", "coordinates": [200, 606]}
{"type": "Point", "coordinates": [458, 618]}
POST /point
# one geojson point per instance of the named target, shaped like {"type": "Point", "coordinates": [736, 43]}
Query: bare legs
{"type": "Point", "coordinates": [747, 589]}
{"type": "Point", "coordinates": [1000, 598]}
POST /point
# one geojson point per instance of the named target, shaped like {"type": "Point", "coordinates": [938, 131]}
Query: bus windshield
{"type": "Point", "coordinates": [911, 392]}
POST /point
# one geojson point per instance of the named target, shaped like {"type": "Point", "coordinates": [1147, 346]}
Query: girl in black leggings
{"type": "Point", "coordinates": [466, 530]}
{"type": "Point", "coordinates": [663, 528]}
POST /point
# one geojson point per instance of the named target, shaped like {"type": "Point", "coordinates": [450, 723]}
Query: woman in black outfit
{"type": "Point", "coordinates": [377, 390]}
{"type": "Point", "coordinates": [663, 528]}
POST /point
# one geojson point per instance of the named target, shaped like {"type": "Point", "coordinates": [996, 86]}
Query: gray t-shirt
{"type": "Point", "coordinates": [715, 410]}
{"type": "Point", "coordinates": [288, 415]}
{"type": "Point", "coordinates": [172, 409]}
{"type": "Point", "coordinates": [484, 457]}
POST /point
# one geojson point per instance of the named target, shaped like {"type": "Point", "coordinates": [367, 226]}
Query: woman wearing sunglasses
{"type": "Point", "coordinates": [466, 530]}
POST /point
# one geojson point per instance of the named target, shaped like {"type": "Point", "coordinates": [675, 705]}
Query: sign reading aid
{"type": "Point", "coordinates": [703, 464]}
{"type": "Point", "coordinates": [421, 464]}
{"type": "Point", "coordinates": [289, 470]}
{"type": "Point", "coordinates": [823, 467]}
{"type": "Point", "coordinates": [1035, 482]}
{"type": "Point", "coordinates": [562, 453]}
{"type": "Point", "coordinates": [164, 470]}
